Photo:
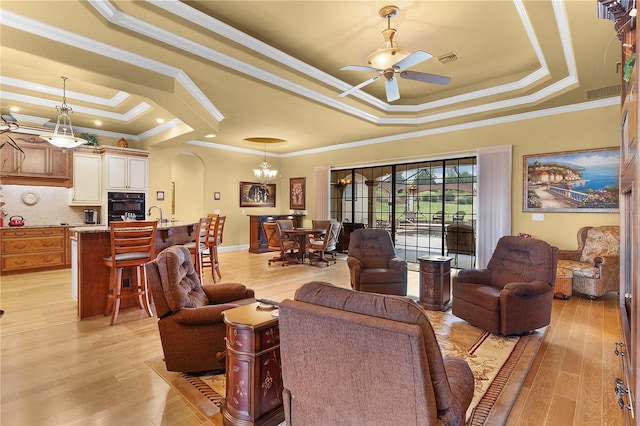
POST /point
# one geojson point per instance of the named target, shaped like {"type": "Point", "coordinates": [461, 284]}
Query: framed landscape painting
{"type": "Point", "coordinates": [254, 194]}
{"type": "Point", "coordinates": [572, 181]}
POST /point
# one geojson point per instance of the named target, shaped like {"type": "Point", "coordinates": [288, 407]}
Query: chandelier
{"type": "Point", "coordinates": [264, 173]}
{"type": "Point", "coordinates": [60, 138]}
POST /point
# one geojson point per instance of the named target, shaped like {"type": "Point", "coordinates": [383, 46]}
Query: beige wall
{"type": "Point", "coordinates": [594, 128]}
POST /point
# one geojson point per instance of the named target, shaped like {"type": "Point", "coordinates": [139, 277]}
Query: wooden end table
{"type": "Point", "coordinates": [435, 282]}
{"type": "Point", "coordinates": [254, 374]}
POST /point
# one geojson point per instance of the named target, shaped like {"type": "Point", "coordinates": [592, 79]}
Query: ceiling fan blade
{"type": "Point", "coordinates": [354, 88]}
{"type": "Point", "coordinates": [359, 68]}
{"type": "Point", "coordinates": [411, 60]}
{"type": "Point", "coordinates": [426, 78]}
{"type": "Point", "coordinates": [391, 86]}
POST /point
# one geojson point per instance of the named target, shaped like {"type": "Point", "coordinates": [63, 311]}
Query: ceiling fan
{"type": "Point", "coordinates": [391, 60]}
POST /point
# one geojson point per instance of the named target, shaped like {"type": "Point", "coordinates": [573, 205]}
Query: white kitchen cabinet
{"type": "Point", "coordinates": [126, 173]}
{"type": "Point", "coordinates": [87, 179]}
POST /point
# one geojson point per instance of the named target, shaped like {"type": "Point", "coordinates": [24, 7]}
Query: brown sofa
{"type": "Point", "coordinates": [514, 293]}
{"type": "Point", "coordinates": [356, 358]}
{"type": "Point", "coordinates": [595, 265]}
{"type": "Point", "coordinates": [373, 264]}
{"type": "Point", "coordinates": [192, 329]}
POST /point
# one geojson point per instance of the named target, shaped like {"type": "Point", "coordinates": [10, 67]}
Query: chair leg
{"type": "Point", "coordinates": [216, 262]}
{"type": "Point", "coordinates": [117, 296]}
{"type": "Point", "coordinates": [143, 289]}
{"type": "Point", "coordinates": [111, 292]}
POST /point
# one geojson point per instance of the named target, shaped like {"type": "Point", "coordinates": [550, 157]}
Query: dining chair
{"type": "Point", "coordinates": [288, 248]}
{"type": "Point", "coordinates": [198, 247]}
{"type": "Point", "coordinates": [319, 247]}
{"type": "Point", "coordinates": [132, 245]}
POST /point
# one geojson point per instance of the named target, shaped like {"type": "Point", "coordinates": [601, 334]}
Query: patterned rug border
{"type": "Point", "coordinates": [204, 389]}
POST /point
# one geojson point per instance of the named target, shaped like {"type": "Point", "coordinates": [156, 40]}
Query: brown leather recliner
{"type": "Point", "coordinates": [373, 264]}
{"type": "Point", "coordinates": [355, 358]}
{"type": "Point", "coordinates": [514, 293]}
{"type": "Point", "coordinates": [192, 329]}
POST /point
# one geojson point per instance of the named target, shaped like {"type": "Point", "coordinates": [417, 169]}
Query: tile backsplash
{"type": "Point", "coordinates": [52, 206]}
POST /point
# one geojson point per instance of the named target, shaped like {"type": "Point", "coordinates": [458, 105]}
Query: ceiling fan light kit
{"type": "Point", "coordinates": [390, 59]}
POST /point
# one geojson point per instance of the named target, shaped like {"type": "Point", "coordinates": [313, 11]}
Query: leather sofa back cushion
{"type": "Point", "coordinates": [394, 308]}
{"type": "Point", "coordinates": [518, 259]}
{"type": "Point", "coordinates": [601, 241]}
{"type": "Point", "coordinates": [175, 266]}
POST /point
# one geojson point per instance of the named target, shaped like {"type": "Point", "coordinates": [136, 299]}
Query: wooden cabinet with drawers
{"type": "Point", "coordinates": [26, 249]}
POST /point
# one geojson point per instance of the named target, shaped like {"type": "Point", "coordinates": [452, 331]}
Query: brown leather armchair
{"type": "Point", "coordinates": [514, 293]}
{"type": "Point", "coordinates": [192, 329]}
{"type": "Point", "coordinates": [355, 358]}
{"type": "Point", "coordinates": [596, 263]}
{"type": "Point", "coordinates": [373, 264]}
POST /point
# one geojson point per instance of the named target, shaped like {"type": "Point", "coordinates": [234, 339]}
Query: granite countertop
{"type": "Point", "coordinates": [105, 228]}
{"type": "Point", "coordinates": [57, 225]}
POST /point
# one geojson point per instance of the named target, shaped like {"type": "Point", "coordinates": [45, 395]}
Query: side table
{"type": "Point", "coordinates": [435, 282]}
{"type": "Point", "coordinates": [254, 374]}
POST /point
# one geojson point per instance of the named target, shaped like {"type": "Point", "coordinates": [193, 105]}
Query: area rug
{"type": "Point", "coordinates": [499, 365]}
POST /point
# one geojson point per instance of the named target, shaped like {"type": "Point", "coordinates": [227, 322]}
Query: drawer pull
{"type": "Point", "coordinates": [21, 246]}
{"type": "Point", "coordinates": [49, 244]}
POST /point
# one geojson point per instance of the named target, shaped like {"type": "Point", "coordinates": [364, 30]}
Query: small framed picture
{"type": "Point", "coordinates": [297, 193]}
{"type": "Point", "coordinates": [216, 195]}
{"type": "Point", "coordinates": [159, 195]}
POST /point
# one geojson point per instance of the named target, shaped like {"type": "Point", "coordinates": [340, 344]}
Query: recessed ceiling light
{"type": "Point", "coordinates": [14, 109]}
{"type": "Point", "coordinates": [210, 135]}
{"type": "Point", "coordinates": [98, 123]}
{"type": "Point", "coordinates": [160, 120]}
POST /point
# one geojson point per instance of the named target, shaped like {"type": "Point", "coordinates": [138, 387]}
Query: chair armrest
{"type": "Point", "coordinates": [397, 263]}
{"type": "Point", "coordinates": [606, 260]}
{"type": "Point", "coordinates": [353, 262]}
{"type": "Point", "coordinates": [223, 293]}
{"type": "Point", "coordinates": [476, 276]}
{"type": "Point", "coordinates": [569, 255]}
{"type": "Point", "coordinates": [527, 289]}
{"type": "Point", "coordinates": [204, 315]}
{"type": "Point", "coordinates": [462, 384]}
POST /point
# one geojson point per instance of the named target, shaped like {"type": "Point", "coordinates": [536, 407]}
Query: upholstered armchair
{"type": "Point", "coordinates": [373, 264]}
{"type": "Point", "coordinates": [514, 293]}
{"type": "Point", "coordinates": [355, 358]}
{"type": "Point", "coordinates": [192, 329]}
{"type": "Point", "coordinates": [596, 262]}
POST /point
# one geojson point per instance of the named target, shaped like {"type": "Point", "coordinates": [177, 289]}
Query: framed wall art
{"type": "Point", "coordinates": [572, 181]}
{"type": "Point", "coordinates": [297, 193]}
{"type": "Point", "coordinates": [254, 194]}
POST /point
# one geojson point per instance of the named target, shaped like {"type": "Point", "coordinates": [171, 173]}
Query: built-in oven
{"type": "Point", "coordinates": [123, 204]}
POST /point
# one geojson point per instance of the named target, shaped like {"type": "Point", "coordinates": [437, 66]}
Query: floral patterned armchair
{"type": "Point", "coordinates": [596, 262]}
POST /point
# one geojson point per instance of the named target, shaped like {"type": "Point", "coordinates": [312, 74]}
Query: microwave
{"type": "Point", "coordinates": [120, 203]}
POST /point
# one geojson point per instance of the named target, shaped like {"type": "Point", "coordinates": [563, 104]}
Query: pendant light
{"type": "Point", "coordinates": [60, 138]}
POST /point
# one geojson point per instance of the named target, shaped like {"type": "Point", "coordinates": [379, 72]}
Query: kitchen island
{"type": "Point", "coordinates": [90, 276]}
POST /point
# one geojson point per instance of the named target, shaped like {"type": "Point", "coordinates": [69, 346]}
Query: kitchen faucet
{"type": "Point", "coordinates": [159, 209]}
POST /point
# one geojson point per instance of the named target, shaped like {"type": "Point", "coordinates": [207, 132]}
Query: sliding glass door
{"type": "Point", "coordinates": [428, 207]}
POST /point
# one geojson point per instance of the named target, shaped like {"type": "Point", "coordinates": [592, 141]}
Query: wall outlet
{"type": "Point", "coordinates": [537, 216]}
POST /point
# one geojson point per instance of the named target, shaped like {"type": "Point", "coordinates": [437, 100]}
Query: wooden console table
{"type": "Point", "coordinates": [435, 282]}
{"type": "Point", "coordinates": [254, 375]}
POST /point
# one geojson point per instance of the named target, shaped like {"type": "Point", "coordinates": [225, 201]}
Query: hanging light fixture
{"type": "Point", "coordinates": [264, 173]}
{"type": "Point", "coordinates": [389, 52]}
{"type": "Point", "coordinates": [60, 137]}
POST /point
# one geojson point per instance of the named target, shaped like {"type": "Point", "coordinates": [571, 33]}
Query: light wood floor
{"type": "Point", "coordinates": [57, 370]}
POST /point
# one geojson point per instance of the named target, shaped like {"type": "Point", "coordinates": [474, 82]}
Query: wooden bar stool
{"type": "Point", "coordinates": [198, 247]}
{"type": "Point", "coordinates": [132, 245]}
{"type": "Point", "coordinates": [215, 240]}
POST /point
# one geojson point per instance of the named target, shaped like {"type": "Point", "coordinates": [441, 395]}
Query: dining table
{"type": "Point", "coordinates": [302, 236]}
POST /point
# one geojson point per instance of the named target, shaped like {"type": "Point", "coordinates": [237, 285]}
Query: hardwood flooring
{"type": "Point", "coordinates": [57, 370]}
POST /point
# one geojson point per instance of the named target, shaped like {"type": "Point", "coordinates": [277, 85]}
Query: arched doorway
{"type": "Point", "coordinates": [187, 177]}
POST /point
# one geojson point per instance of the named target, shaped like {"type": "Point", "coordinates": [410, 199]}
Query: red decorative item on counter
{"type": "Point", "coordinates": [16, 221]}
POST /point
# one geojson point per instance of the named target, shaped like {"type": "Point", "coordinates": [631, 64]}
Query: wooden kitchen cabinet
{"type": "Point", "coordinates": [25, 249]}
{"type": "Point", "coordinates": [126, 172]}
{"type": "Point", "coordinates": [41, 163]}
{"type": "Point", "coordinates": [87, 179]}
